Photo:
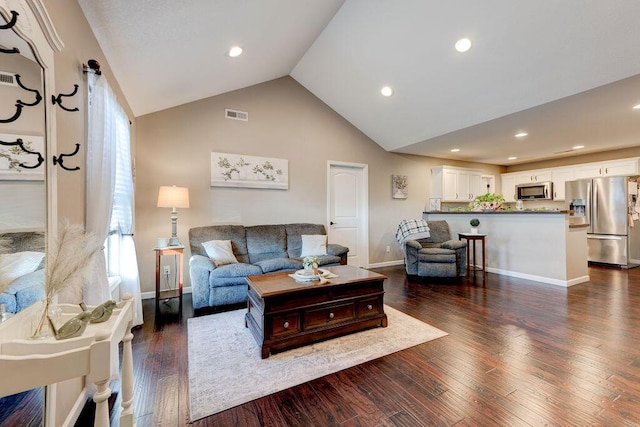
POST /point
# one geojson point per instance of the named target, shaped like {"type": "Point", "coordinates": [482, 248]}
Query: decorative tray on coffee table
{"type": "Point", "coordinates": [308, 275]}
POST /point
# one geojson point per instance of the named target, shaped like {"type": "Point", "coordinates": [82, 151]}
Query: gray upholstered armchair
{"type": "Point", "coordinates": [436, 256]}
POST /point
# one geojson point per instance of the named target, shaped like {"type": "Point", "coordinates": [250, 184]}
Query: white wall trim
{"type": "Point", "coordinates": [549, 280]}
{"type": "Point", "coordinates": [386, 263]}
{"type": "Point", "coordinates": [152, 294]}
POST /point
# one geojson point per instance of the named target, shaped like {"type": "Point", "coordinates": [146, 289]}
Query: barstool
{"type": "Point", "coordinates": [472, 238]}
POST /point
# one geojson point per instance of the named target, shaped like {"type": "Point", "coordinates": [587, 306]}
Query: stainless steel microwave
{"type": "Point", "coordinates": [535, 190]}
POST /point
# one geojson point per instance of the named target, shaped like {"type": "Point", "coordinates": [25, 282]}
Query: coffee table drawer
{"type": "Point", "coordinates": [285, 324]}
{"type": "Point", "coordinates": [329, 315]}
{"type": "Point", "coordinates": [370, 307]}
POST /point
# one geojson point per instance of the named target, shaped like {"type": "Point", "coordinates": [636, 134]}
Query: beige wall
{"type": "Point", "coordinates": [80, 45]}
{"type": "Point", "coordinates": [285, 121]}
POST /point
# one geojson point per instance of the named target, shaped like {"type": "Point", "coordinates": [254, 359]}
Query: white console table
{"type": "Point", "coordinates": [28, 363]}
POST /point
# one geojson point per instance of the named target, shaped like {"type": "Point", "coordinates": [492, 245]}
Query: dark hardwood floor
{"type": "Point", "coordinates": [518, 353]}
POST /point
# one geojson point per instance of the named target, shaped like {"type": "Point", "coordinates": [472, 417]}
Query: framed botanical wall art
{"type": "Point", "coordinates": [399, 188]}
{"type": "Point", "coordinates": [19, 165]}
{"type": "Point", "coordinates": [235, 170]}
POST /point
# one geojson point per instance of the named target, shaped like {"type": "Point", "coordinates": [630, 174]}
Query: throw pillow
{"type": "Point", "coordinates": [220, 252]}
{"type": "Point", "coordinates": [313, 244]}
{"type": "Point", "coordinates": [18, 264]}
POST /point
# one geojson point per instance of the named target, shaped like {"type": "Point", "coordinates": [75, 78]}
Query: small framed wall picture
{"type": "Point", "coordinates": [399, 188]}
{"type": "Point", "coordinates": [434, 204]}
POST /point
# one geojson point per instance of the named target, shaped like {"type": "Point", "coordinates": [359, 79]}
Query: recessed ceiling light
{"type": "Point", "coordinates": [636, 107]}
{"type": "Point", "coordinates": [386, 91]}
{"type": "Point", "coordinates": [521, 134]}
{"type": "Point", "coordinates": [463, 45]}
{"type": "Point", "coordinates": [577, 147]}
{"type": "Point", "coordinates": [235, 51]}
{"type": "Point", "coordinates": [455, 150]}
{"type": "Point", "coordinates": [512, 158]}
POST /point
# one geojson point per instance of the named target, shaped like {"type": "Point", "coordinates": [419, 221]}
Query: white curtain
{"type": "Point", "coordinates": [122, 218]}
{"type": "Point", "coordinates": [110, 189]}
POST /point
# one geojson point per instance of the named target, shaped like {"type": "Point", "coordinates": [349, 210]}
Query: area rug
{"type": "Point", "coordinates": [225, 368]}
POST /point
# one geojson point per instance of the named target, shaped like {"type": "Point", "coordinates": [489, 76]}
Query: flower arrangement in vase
{"type": "Point", "coordinates": [488, 202]}
{"type": "Point", "coordinates": [475, 222]}
{"type": "Point", "coordinates": [310, 263]}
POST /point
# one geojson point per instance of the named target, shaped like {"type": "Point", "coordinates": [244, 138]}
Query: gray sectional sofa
{"type": "Point", "coordinates": [259, 249]}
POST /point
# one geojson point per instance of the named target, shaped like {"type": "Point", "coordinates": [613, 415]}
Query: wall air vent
{"type": "Point", "coordinates": [8, 79]}
{"type": "Point", "coordinates": [236, 115]}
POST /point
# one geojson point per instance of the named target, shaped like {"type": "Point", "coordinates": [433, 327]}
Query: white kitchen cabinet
{"type": "Point", "coordinates": [509, 187]}
{"type": "Point", "coordinates": [533, 176]}
{"type": "Point", "coordinates": [559, 177]}
{"type": "Point", "coordinates": [453, 184]}
{"type": "Point", "coordinates": [607, 168]}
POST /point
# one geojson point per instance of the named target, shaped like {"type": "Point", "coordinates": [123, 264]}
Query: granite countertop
{"type": "Point", "coordinates": [510, 212]}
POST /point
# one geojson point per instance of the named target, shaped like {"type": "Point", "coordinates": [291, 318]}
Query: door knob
{"type": "Point", "coordinates": [331, 223]}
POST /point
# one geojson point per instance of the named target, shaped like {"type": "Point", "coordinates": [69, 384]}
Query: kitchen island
{"type": "Point", "coordinates": [535, 245]}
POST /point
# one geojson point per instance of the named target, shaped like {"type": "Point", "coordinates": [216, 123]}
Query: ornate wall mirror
{"type": "Point", "coordinates": [27, 128]}
{"type": "Point", "coordinates": [28, 42]}
{"type": "Point", "coordinates": [22, 172]}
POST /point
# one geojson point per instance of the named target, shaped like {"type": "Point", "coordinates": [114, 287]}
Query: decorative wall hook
{"type": "Point", "coordinates": [12, 22]}
{"type": "Point", "coordinates": [38, 96]}
{"type": "Point", "coordinates": [58, 99]}
{"type": "Point", "coordinates": [15, 116]}
{"type": "Point", "coordinates": [12, 50]}
{"type": "Point", "coordinates": [94, 66]}
{"type": "Point", "coordinates": [59, 160]}
{"type": "Point", "coordinates": [20, 143]}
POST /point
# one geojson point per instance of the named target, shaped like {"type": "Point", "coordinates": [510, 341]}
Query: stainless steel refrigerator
{"type": "Point", "coordinates": [605, 204]}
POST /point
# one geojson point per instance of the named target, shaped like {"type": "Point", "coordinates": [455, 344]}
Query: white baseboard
{"type": "Point", "coordinates": [549, 280]}
{"type": "Point", "coordinates": [152, 294]}
{"type": "Point", "coordinates": [386, 264]}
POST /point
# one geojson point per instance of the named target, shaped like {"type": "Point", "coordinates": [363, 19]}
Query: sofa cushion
{"type": "Point", "coordinates": [235, 233]}
{"type": "Point", "coordinates": [294, 233]}
{"type": "Point", "coordinates": [220, 252]}
{"type": "Point", "coordinates": [236, 270]}
{"type": "Point", "coordinates": [278, 264]}
{"type": "Point", "coordinates": [266, 242]}
{"type": "Point", "coordinates": [437, 255]}
{"type": "Point", "coordinates": [439, 232]}
{"type": "Point", "coordinates": [328, 260]}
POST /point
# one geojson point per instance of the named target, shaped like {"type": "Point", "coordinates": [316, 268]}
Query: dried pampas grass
{"type": "Point", "coordinates": [68, 257]}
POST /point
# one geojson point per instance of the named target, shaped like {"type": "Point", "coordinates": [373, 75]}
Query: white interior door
{"type": "Point", "coordinates": [348, 209]}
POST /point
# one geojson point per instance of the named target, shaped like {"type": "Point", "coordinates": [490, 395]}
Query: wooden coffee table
{"type": "Point", "coordinates": [282, 313]}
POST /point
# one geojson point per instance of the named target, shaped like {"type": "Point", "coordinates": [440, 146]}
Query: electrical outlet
{"type": "Point", "coordinates": [388, 248]}
{"type": "Point", "coordinates": [167, 270]}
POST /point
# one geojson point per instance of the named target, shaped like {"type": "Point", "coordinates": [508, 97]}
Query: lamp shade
{"type": "Point", "coordinates": [173, 197]}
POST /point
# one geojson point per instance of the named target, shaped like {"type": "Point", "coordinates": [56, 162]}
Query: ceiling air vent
{"type": "Point", "coordinates": [236, 115]}
{"type": "Point", "coordinates": [8, 79]}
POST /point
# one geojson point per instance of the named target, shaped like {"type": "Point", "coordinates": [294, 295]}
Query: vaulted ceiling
{"type": "Point", "coordinates": [565, 72]}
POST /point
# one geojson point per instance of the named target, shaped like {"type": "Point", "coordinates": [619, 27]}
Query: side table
{"type": "Point", "coordinates": [472, 239]}
{"type": "Point", "coordinates": [169, 293]}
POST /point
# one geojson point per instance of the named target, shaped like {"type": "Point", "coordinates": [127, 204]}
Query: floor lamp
{"type": "Point", "coordinates": [173, 197]}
